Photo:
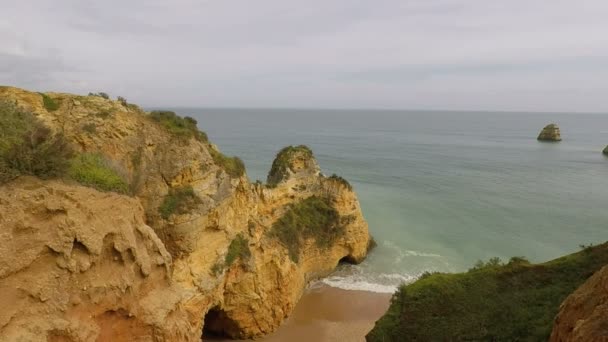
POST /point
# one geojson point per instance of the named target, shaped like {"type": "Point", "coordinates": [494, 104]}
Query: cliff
{"type": "Point", "coordinates": [516, 301]}
{"type": "Point", "coordinates": [550, 133]}
{"type": "Point", "coordinates": [583, 315]}
{"type": "Point", "coordinates": [150, 233]}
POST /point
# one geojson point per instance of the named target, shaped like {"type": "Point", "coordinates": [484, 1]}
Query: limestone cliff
{"type": "Point", "coordinates": [550, 133]}
{"type": "Point", "coordinates": [76, 261]}
{"type": "Point", "coordinates": [583, 316]}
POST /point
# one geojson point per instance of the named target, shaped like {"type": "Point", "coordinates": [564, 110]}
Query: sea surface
{"type": "Point", "coordinates": [440, 190]}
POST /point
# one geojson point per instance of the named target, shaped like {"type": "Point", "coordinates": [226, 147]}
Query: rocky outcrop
{"type": "Point", "coordinates": [82, 265]}
{"type": "Point", "coordinates": [605, 151]}
{"type": "Point", "coordinates": [550, 133]}
{"type": "Point", "coordinates": [583, 316]}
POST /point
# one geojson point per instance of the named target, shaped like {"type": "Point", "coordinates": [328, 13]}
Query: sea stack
{"type": "Point", "coordinates": [550, 133]}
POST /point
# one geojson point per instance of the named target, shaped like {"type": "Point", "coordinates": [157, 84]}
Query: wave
{"type": "Point", "coordinates": [381, 283]}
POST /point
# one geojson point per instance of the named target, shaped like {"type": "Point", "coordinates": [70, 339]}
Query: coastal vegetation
{"type": "Point", "coordinates": [96, 171]}
{"type": "Point", "coordinates": [493, 301]}
{"type": "Point", "coordinates": [313, 218]}
{"type": "Point", "coordinates": [233, 166]}
{"type": "Point", "coordinates": [178, 201]}
{"type": "Point", "coordinates": [29, 148]}
{"type": "Point", "coordinates": [49, 104]}
{"type": "Point", "coordinates": [341, 180]}
{"type": "Point", "coordinates": [182, 127]}
{"type": "Point", "coordinates": [282, 162]}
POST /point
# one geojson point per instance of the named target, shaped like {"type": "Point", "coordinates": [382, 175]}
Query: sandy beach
{"type": "Point", "coordinates": [327, 314]}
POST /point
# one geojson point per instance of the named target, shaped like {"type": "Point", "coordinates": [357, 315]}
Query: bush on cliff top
{"type": "Point", "coordinates": [281, 162]}
{"type": "Point", "coordinates": [313, 217]}
{"type": "Point", "coordinates": [29, 148]}
{"type": "Point", "coordinates": [94, 170]}
{"type": "Point", "coordinates": [233, 166]}
{"type": "Point", "coordinates": [185, 127]}
{"type": "Point", "coordinates": [178, 201]}
{"type": "Point", "coordinates": [493, 301]}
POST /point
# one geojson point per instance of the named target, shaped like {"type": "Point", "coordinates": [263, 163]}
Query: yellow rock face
{"type": "Point", "coordinates": [77, 264]}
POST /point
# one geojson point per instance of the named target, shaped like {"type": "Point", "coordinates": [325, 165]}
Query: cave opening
{"type": "Point", "coordinates": [217, 325]}
{"type": "Point", "coordinates": [347, 260]}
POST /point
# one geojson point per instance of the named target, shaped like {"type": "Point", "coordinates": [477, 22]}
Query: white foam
{"type": "Point", "coordinates": [346, 284]}
{"type": "Point", "coordinates": [387, 283]}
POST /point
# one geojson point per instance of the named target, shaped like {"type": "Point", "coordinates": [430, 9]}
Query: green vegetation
{"type": "Point", "coordinates": [50, 104]}
{"type": "Point", "coordinates": [178, 201]}
{"type": "Point", "coordinates": [233, 166]}
{"type": "Point", "coordinates": [101, 94]}
{"type": "Point", "coordinates": [178, 126]}
{"type": "Point", "coordinates": [341, 180]}
{"type": "Point", "coordinates": [282, 162]}
{"type": "Point", "coordinates": [493, 301]}
{"type": "Point", "coordinates": [94, 170]}
{"type": "Point", "coordinates": [122, 101]}
{"type": "Point", "coordinates": [239, 248]}
{"type": "Point", "coordinates": [313, 217]}
{"type": "Point", "coordinates": [29, 148]}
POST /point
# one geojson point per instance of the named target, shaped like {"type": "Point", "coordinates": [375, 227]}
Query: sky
{"type": "Point", "coordinates": [516, 55]}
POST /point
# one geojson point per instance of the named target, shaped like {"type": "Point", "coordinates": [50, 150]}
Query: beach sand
{"type": "Point", "coordinates": [326, 314]}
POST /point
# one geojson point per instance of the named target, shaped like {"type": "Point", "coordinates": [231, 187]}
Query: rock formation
{"type": "Point", "coordinates": [605, 151]}
{"type": "Point", "coordinates": [583, 316]}
{"type": "Point", "coordinates": [78, 264]}
{"type": "Point", "coordinates": [550, 133]}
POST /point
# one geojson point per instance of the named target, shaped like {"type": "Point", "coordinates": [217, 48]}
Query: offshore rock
{"type": "Point", "coordinates": [550, 133]}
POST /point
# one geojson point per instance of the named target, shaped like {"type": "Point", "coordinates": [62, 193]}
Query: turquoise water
{"type": "Point", "coordinates": [441, 190]}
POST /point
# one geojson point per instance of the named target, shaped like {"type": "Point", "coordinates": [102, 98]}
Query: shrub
{"type": "Point", "coordinates": [178, 201]}
{"type": "Point", "coordinates": [513, 302]}
{"type": "Point", "coordinates": [104, 114]}
{"type": "Point", "coordinates": [50, 104]}
{"type": "Point", "coordinates": [181, 127]}
{"type": "Point", "coordinates": [29, 148]}
{"type": "Point", "coordinates": [239, 248]}
{"type": "Point", "coordinates": [122, 101]}
{"type": "Point", "coordinates": [282, 161]}
{"type": "Point", "coordinates": [341, 180]}
{"type": "Point", "coordinates": [310, 218]}
{"type": "Point", "coordinates": [92, 169]}
{"type": "Point", "coordinates": [101, 94]}
{"type": "Point", "coordinates": [233, 166]}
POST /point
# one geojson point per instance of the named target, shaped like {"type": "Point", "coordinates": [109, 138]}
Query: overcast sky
{"type": "Point", "coordinates": [541, 55]}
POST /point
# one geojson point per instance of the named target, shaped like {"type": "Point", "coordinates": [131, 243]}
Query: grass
{"type": "Point", "coordinates": [185, 127]}
{"type": "Point", "coordinates": [50, 104]}
{"type": "Point", "coordinates": [178, 201]}
{"type": "Point", "coordinates": [282, 162]}
{"type": "Point", "coordinates": [92, 169]}
{"type": "Point", "coordinates": [233, 166]}
{"type": "Point", "coordinates": [493, 301]}
{"type": "Point", "coordinates": [314, 218]}
{"type": "Point", "coordinates": [238, 249]}
{"type": "Point", "coordinates": [29, 148]}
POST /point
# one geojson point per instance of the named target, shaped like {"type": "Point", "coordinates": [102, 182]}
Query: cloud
{"type": "Point", "coordinates": [453, 54]}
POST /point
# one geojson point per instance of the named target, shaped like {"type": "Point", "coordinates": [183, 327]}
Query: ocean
{"type": "Point", "coordinates": [440, 190]}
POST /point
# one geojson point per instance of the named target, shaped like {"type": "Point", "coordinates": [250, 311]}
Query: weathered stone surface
{"type": "Point", "coordinates": [550, 133]}
{"type": "Point", "coordinates": [583, 316]}
{"type": "Point", "coordinates": [80, 265]}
